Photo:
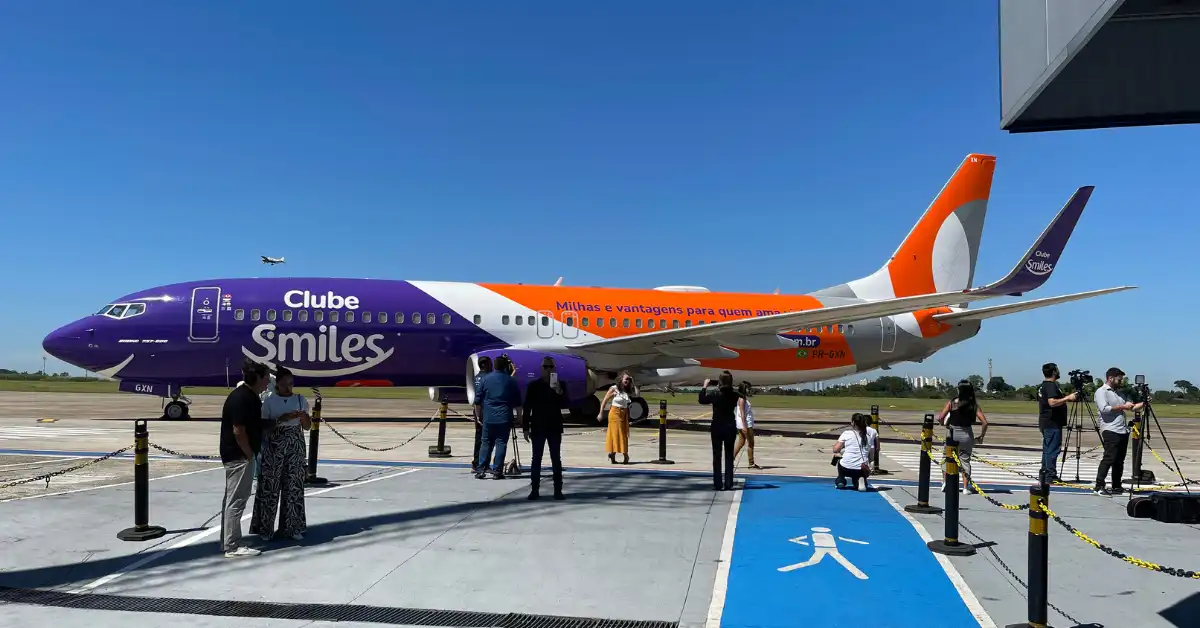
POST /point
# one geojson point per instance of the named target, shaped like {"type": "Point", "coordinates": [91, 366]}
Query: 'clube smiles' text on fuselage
{"type": "Point", "coordinates": [362, 332]}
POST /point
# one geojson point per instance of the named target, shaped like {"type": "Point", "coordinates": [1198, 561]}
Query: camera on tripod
{"type": "Point", "coordinates": [1141, 389]}
{"type": "Point", "coordinates": [1079, 379]}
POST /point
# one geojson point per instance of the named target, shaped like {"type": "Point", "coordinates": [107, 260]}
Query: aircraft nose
{"type": "Point", "coordinates": [65, 343]}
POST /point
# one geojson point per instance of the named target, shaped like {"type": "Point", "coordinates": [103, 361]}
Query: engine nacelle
{"type": "Point", "coordinates": [573, 371]}
{"type": "Point", "coordinates": [441, 394]}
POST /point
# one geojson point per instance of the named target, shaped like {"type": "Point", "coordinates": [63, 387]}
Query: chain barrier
{"type": "Point", "coordinates": [183, 455]}
{"type": "Point", "coordinates": [52, 474]}
{"type": "Point", "coordinates": [979, 489]}
{"type": "Point", "coordinates": [1146, 443]}
{"type": "Point", "coordinates": [1137, 562]}
{"type": "Point", "coordinates": [361, 446]}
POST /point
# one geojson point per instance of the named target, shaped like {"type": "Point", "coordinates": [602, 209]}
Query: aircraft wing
{"type": "Point", "coordinates": [1024, 306]}
{"type": "Point", "coordinates": [1030, 273]}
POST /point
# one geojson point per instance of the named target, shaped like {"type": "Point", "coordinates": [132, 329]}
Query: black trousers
{"type": "Point", "coordinates": [540, 440]}
{"type": "Point", "coordinates": [478, 438]}
{"type": "Point", "coordinates": [722, 440]}
{"type": "Point", "coordinates": [1115, 446]}
{"type": "Point", "coordinates": [854, 474]}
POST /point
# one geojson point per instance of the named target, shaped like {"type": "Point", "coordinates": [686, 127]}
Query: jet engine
{"type": "Point", "coordinates": [573, 373]}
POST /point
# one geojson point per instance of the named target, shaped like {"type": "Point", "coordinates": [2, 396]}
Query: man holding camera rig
{"type": "Point", "coordinates": [1052, 418]}
{"type": "Point", "coordinates": [1114, 431]}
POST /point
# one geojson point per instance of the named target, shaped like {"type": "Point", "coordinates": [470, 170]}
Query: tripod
{"type": "Point", "coordinates": [1139, 475]}
{"type": "Point", "coordinates": [1075, 427]}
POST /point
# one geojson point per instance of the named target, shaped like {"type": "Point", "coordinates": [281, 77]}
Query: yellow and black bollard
{"type": "Point", "coordinates": [441, 449]}
{"type": "Point", "coordinates": [922, 506]}
{"type": "Point", "coordinates": [314, 440]}
{"type": "Point", "coordinates": [141, 530]}
{"type": "Point", "coordinates": [1138, 442]}
{"type": "Point", "coordinates": [1039, 557]}
{"type": "Point", "coordinates": [662, 434]}
{"type": "Point", "coordinates": [950, 545]}
{"type": "Point", "coordinates": [875, 470]}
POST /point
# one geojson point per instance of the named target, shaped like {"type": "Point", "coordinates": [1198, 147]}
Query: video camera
{"type": "Point", "coordinates": [1141, 388]}
{"type": "Point", "coordinates": [1079, 379]}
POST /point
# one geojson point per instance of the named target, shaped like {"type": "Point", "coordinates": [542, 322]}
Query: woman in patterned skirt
{"type": "Point", "coordinates": [281, 478]}
{"type": "Point", "coordinates": [620, 395]}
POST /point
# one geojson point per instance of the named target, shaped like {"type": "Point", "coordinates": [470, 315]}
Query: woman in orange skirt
{"type": "Point", "coordinates": [619, 395]}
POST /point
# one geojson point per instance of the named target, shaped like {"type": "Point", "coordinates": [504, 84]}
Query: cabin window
{"type": "Point", "coordinates": [383, 318]}
{"type": "Point", "coordinates": [662, 323]}
{"type": "Point", "coordinates": [287, 315]}
{"type": "Point", "coordinates": [625, 322]}
{"type": "Point", "coordinates": [318, 315]}
{"type": "Point", "coordinates": [570, 321]}
{"type": "Point", "coordinates": [350, 316]}
{"type": "Point", "coordinates": [599, 322]}
{"type": "Point", "coordinates": [445, 319]}
{"type": "Point", "coordinates": [255, 315]}
{"type": "Point", "coordinates": [504, 319]}
{"type": "Point", "coordinates": [239, 314]}
{"type": "Point", "coordinates": [117, 310]}
{"type": "Point", "coordinates": [612, 322]}
{"type": "Point", "coordinates": [700, 323]}
{"type": "Point", "coordinates": [841, 329]}
{"type": "Point", "coordinates": [584, 321]}
{"type": "Point", "coordinates": [302, 316]}
{"type": "Point", "coordinates": [520, 320]}
{"type": "Point", "coordinates": [637, 322]}
{"type": "Point", "coordinates": [333, 316]}
{"type": "Point", "coordinates": [400, 318]}
{"type": "Point", "coordinates": [687, 323]}
{"type": "Point", "coordinates": [366, 317]}
{"type": "Point", "coordinates": [270, 315]}
{"type": "Point", "coordinates": [650, 324]}
{"type": "Point", "coordinates": [675, 323]}
{"type": "Point", "coordinates": [478, 319]}
{"type": "Point", "coordinates": [103, 310]}
{"type": "Point", "coordinates": [416, 318]}
{"type": "Point", "coordinates": [545, 321]}
{"type": "Point", "coordinates": [431, 319]}
{"type": "Point", "coordinates": [850, 328]}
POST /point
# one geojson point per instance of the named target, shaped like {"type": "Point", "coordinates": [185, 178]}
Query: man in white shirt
{"type": "Point", "coordinates": [1114, 430]}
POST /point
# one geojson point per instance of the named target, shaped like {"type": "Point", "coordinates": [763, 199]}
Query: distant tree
{"type": "Point", "coordinates": [1027, 393]}
{"type": "Point", "coordinates": [976, 381]}
{"type": "Point", "coordinates": [998, 385]}
{"type": "Point", "coordinates": [1190, 391]}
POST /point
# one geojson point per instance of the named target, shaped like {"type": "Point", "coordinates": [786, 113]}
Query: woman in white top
{"type": "Point", "coordinates": [620, 395]}
{"type": "Point", "coordinates": [744, 415]}
{"type": "Point", "coordinates": [855, 446]}
{"type": "Point", "coordinates": [281, 478]}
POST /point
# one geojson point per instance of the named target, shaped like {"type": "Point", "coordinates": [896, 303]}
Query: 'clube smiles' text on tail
{"type": "Point", "coordinates": [939, 254]}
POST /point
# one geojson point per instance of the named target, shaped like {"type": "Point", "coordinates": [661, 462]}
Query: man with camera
{"type": "Point", "coordinates": [1114, 430]}
{"type": "Point", "coordinates": [1052, 417]}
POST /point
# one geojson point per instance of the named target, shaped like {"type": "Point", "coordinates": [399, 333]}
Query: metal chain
{"type": "Point", "coordinates": [360, 446]}
{"type": "Point", "coordinates": [1137, 562]}
{"type": "Point", "coordinates": [979, 489]}
{"type": "Point", "coordinates": [47, 476]}
{"type": "Point", "coordinates": [183, 455]}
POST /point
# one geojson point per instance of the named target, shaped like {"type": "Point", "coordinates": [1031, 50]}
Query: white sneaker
{"type": "Point", "coordinates": [242, 552]}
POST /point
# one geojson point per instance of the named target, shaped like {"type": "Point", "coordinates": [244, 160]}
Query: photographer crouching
{"type": "Point", "coordinates": [1052, 418]}
{"type": "Point", "coordinates": [1114, 430]}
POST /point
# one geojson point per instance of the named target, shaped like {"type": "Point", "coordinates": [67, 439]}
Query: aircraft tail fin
{"type": "Point", "coordinates": [939, 253]}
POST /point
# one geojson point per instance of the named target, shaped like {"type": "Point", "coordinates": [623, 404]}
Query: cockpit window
{"type": "Point", "coordinates": [122, 310]}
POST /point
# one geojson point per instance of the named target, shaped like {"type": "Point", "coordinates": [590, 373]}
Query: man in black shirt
{"type": "Point", "coordinates": [1052, 417]}
{"type": "Point", "coordinates": [241, 436]}
{"type": "Point", "coordinates": [545, 399]}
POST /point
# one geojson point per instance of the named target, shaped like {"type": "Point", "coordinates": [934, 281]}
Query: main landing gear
{"type": "Point", "coordinates": [177, 408]}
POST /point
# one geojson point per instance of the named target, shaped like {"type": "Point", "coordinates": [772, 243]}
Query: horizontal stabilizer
{"type": "Point", "coordinates": [1041, 258]}
{"type": "Point", "coordinates": [1024, 306]}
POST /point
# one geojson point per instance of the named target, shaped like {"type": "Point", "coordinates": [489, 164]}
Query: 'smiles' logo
{"type": "Point", "coordinates": [1039, 264]}
{"type": "Point", "coordinates": [303, 299]}
{"type": "Point", "coordinates": [322, 347]}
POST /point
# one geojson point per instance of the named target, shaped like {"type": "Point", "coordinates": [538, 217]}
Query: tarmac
{"type": "Point", "coordinates": [399, 538]}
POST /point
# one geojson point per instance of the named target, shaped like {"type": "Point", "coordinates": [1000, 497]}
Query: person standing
{"type": "Point", "coordinates": [498, 399]}
{"type": "Point", "coordinates": [620, 395]}
{"type": "Point", "coordinates": [744, 415]}
{"type": "Point", "coordinates": [545, 399]}
{"type": "Point", "coordinates": [959, 416]}
{"type": "Point", "coordinates": [485, 367]}
{"type": "Point", "coordinates": [1052, 418]}
{"type": "Point", "coordinates": [1114, 430]}
{"type": "Point", "coordinates": [241, 435]}
{"type": "Point", "coordinates": [723, 428]}
{"type": "Point", "coordinates": [281, 478]}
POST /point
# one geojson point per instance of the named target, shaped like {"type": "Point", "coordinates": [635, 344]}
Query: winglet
{"type": "Point", "coordinates": [1042, 257]}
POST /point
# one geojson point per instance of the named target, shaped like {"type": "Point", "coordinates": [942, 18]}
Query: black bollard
{"type": "Point", "coordinates": [950, 545]}
{"type": "Point", "coordinates": [1139, 475]}
{"type": "Point", "coordinates": [141, 530]}
{"type": "Point", "coordinates": [662, 434]}
{"type": "Point", "coordinates": [314, 440]}
{"type": "Point", "coordinates": [875, 470]}
{"type": "Point", "coordinates": [441, 449]}
{"type": "Point", "coordinates": [922, 506]}
{"type": "Point", "coordinates": [1039, 557]}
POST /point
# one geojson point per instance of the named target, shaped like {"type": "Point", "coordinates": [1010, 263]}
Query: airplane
{"type": "Point", "coordinates": [373, 332]}
{"type": "Point", "coordinates": [272, 260]}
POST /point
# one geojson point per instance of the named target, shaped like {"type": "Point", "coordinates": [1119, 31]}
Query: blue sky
{"type": "Point", "coordinates": [766, 145]}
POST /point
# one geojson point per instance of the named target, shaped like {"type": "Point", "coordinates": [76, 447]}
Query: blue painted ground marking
{"type": "Point", "coordinates": [865, 564]}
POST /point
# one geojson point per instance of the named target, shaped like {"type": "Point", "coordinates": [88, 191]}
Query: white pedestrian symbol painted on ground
{"type": "Point", "coordinates": [824, 543]}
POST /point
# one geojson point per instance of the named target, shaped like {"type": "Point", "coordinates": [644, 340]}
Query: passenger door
{"type": "Point", "coordinates": [545, 324]}
{"type": "Point", "coordinates": [206, 313]}
{"type": "Point", "coordinates": [570, 324]}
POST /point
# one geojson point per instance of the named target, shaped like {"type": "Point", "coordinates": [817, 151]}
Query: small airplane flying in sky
{"type": "Point", "coordinates": [272, 260]}
{"type": "Point", "coordinates": [376, 332]}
